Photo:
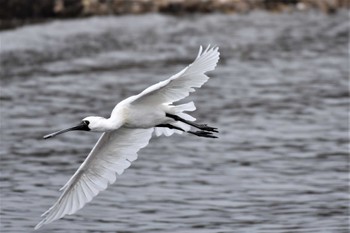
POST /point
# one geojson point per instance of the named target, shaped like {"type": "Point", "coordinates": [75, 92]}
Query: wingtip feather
{"type": "Point", "coordinates": [200, 51]}
{"type": "Point", "coordinates": [39, 225]}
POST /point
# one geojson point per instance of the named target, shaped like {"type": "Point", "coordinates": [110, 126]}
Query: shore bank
{"type": "Point", "coordinates": [17, 12]}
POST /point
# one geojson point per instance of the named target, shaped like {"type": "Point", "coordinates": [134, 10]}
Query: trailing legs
{"type": "Point", "coordinates": [198, 126]}
{"type": "Point", "coordinates": [200, 133]}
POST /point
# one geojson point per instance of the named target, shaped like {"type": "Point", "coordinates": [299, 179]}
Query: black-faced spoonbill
{"type": "Point", "coordinates": [129, 129]}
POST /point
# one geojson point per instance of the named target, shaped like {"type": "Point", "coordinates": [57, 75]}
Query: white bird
{"type": "Point", "coordinates": [129, 129]}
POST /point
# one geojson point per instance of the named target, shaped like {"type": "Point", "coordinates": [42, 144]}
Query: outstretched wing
{"type": "Point", "coordinates": [181, 84]}
{"type": "Point", "coordinates": [112, 154]}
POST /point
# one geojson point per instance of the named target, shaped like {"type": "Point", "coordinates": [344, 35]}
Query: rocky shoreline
{"type": "Point", "coordinates": [17, 12]}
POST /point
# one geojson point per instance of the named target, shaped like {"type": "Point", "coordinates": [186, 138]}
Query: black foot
{"type": "Point", "coordinates": [204, 134]}
{"type": "Point", "coordinates": [207, 128]}
{"type": "Point", "coordinates": [198, 126]}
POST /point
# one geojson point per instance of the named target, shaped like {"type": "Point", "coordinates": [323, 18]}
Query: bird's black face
{"type": "Point", "coordinates": [84, 126]}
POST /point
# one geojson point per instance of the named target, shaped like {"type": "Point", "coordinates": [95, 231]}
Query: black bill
{"type": "Point", "coordinates": [82, 126]}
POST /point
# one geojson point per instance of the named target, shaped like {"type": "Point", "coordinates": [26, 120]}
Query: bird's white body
{"type": "Point", "coordinates": [128, 129]}
{"type": "Point", "coordinates": [143, 116]}
{"type": "Point", "coordinates": [131, 116]}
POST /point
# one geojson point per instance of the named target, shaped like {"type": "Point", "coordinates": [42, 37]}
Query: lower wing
{"type": "Point", "coordinates": [112, 154]}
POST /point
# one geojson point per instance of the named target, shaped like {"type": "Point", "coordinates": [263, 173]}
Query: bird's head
{"type": "Point", "coordinates": [92, 123]}
{"type": "Point", "coordinates": [95, 123]}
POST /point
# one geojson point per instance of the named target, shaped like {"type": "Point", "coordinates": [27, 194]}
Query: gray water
{"type": "Point", "coordinates": [279, 96]}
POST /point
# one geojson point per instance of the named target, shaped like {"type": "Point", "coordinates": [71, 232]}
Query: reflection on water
{"type": "Point", "coordinates": [279, 97]}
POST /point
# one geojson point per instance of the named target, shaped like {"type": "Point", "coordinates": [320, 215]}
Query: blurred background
{"type": "Point", "coordinates": [279, 97]}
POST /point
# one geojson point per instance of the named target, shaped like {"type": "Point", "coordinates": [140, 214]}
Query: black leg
{"type": "Point", "coordinates": [204, 134]}
{"type": "Point", "coordinates": [170, 127]}
{"type": "Point", "coordinates": [198, 126]}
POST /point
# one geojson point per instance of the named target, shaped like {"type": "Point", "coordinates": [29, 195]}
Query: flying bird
{"type": "Point", "coordinates": [129, 128]}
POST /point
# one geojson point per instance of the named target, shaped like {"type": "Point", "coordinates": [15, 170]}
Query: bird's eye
{"type": "Point", "coordinates": [86, 122]}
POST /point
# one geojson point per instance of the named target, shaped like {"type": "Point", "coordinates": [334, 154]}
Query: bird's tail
{"type": "Point", "coordinates": [178, 110]}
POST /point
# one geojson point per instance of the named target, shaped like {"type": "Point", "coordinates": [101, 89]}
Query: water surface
{"type": "Point", "coordinates": [279, 97]}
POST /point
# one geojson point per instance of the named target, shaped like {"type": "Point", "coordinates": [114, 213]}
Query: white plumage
{"type": "Point", "coordinates": [129, 129]}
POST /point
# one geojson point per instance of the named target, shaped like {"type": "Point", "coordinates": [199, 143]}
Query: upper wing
{"type": "Point", "coordinates": [181, 84]}
{"type": "Point", "coordinates": [112, 153]}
